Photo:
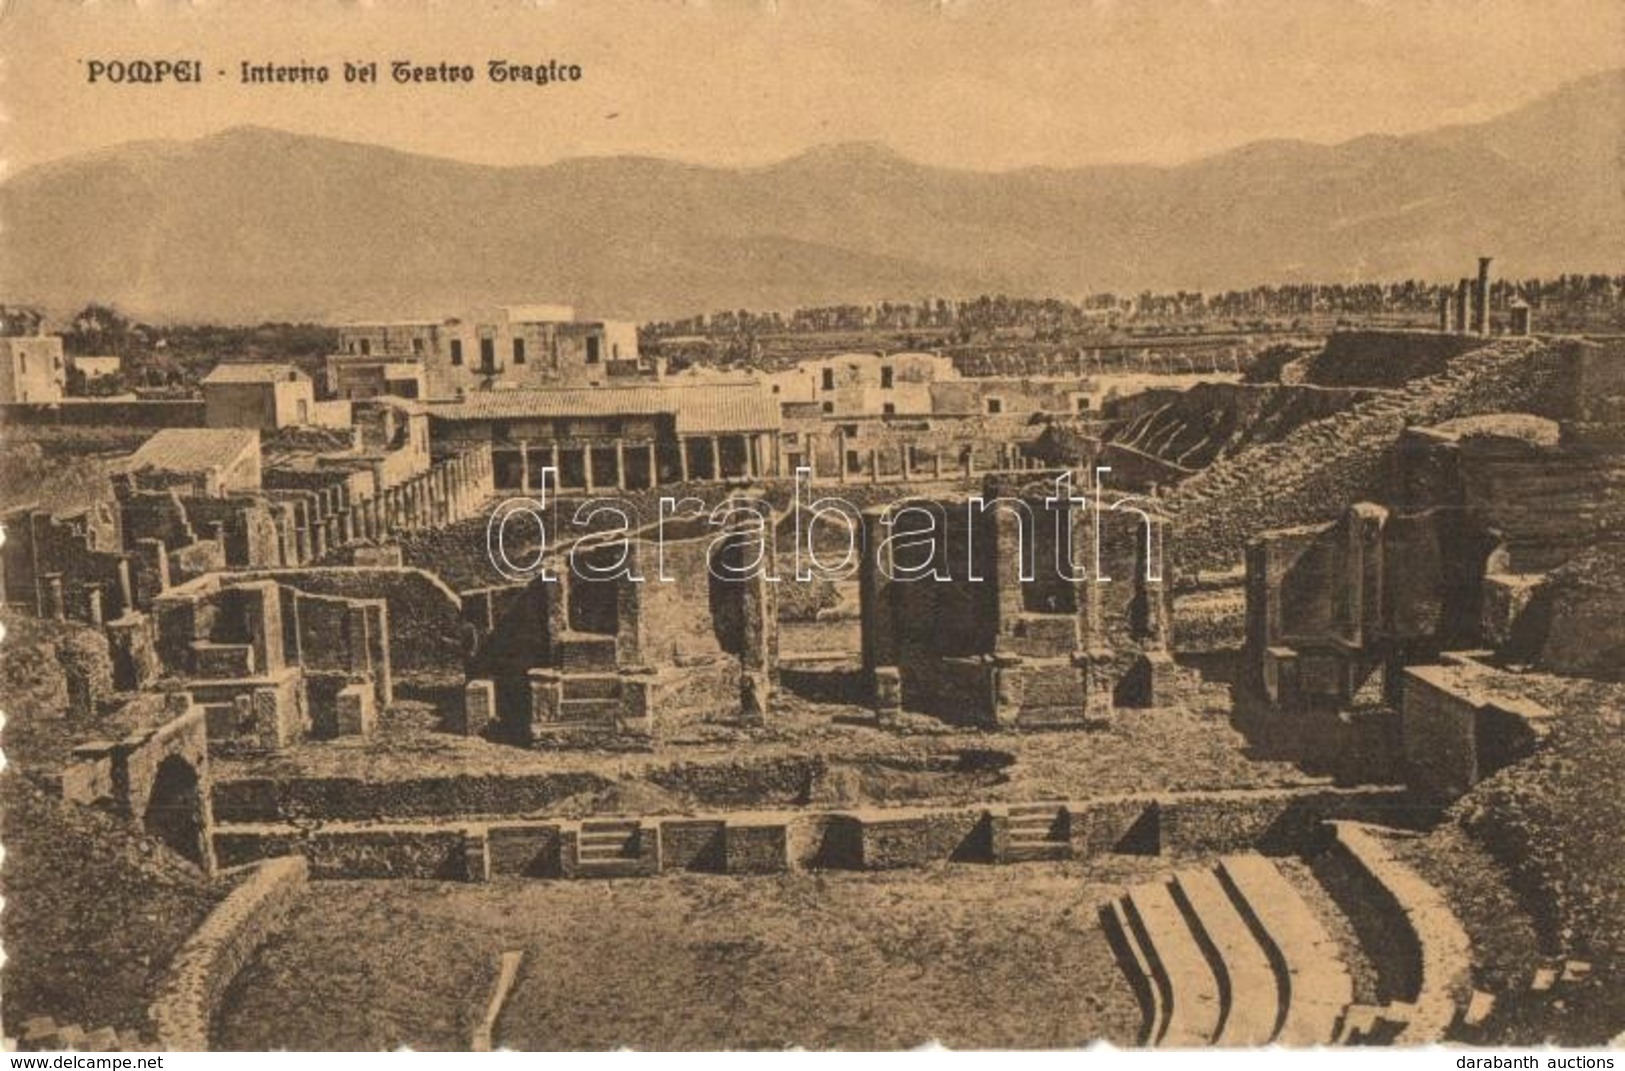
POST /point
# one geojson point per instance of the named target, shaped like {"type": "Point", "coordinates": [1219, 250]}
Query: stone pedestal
{"type": "Point", "coordinates": [478, 710]}
{"type": "Point", "coordinates": [356, 711]}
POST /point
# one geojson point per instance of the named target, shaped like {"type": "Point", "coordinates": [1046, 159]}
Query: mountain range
{"type": "Point", "coordinates": [254, 224]}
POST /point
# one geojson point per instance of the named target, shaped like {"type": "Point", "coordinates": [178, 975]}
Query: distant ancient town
{"type": "Point", "coordinates": [1311, 735]}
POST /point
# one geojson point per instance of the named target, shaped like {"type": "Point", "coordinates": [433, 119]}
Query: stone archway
{"type": "Point", "coordinates": [174, 812]}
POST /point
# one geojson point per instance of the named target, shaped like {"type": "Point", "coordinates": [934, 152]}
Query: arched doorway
{"type": "Point", "coordinates": [175, 809]}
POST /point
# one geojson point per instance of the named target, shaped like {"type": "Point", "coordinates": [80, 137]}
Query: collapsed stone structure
{"type": "Point", "coordinates": [999, 634]}
{"type": "Point", "coordinates": [157, 777]}
{"type": "Point", "coordinates": [686, 630]}
{"type": "Point", "coordinates": [197, 500]}
{"type": "Point", "coordinates": [271, 664]}
{"type": "Point", "coordinates": [1482, 510]}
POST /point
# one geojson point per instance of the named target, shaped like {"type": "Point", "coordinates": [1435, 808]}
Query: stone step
{"type": "Point", "coordinates": [592, 686]}
{"type": "Point", "coordinates": [610, 824]}
{"type": "Point", "coordinates": [1023, 809]}
{"type": "Point", "coordinates": [1318, 986]}
{"type": "Point", "coordinates": [1191, 1015]}
{"type": "Point", "coordinates": [105, 1039]}
{"type": "Point", "coordinates": [589, 709]}
{"type": "Point", "coordinates": [584, 656]}
{"type": "Point", "coordinates": [1250, 989]}
{"type": "Point", "coordinates": [1035, 836]}
{"type": "Point", "coordinates": [611, 868]}
{"type": "Point", "coordinates": [616, 850]}
{"type": "Point", "coordinates": [1145, 975]}
{"type": "Point", "coordinates": [1037, 852]}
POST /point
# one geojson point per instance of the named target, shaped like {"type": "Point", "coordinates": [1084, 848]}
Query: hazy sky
{"type": "Point", "coordinates": [969, 83]}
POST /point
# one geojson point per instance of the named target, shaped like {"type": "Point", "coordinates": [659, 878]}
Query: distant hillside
{"type": "Point", "coordinates": [255, 224]}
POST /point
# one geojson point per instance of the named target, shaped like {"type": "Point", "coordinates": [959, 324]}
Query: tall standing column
{"type": "Point", "coordinates": [620, 464]}
{"type": "Point", "coordinates": [524, 466]}
{"type": "Point", "coordinates": [654, 465]}
{"type": "Point", "coordinates": [716, 458]}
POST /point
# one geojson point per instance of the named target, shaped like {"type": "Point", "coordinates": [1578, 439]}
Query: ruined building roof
{"type": "Point", "coordinates": [253, 372]}
{"type": "Point", "coordinates": [708, 409]}
{"type": "Point", "coordinates": [193, 449]}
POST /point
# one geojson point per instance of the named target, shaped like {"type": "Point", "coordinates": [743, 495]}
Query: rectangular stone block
{"type": "Point", "coordinates": [356, 711]}
{"type": "Point", "coordinates": [478, 709]}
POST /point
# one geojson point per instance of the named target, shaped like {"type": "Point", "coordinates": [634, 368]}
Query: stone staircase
{"type": "Point", "coordinates": [1340, 459]}
{"type": "Point", "coordinates": [1230, 955]}
{"type": "Point", "coordinates": [1052, 693]}
{"type": "Point", "coordinates": [44, 1034]}
{"type": "Point", "coordinates": [611, 848]}
{"type": "Point", "coordinates": [591, 697]}
{"type": "Point", "coordinates": [1037, 832]}
{"type": "Point", "coordinates": [586, 652]}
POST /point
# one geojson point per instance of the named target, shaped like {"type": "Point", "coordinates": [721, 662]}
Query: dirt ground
{"type": "Point", "coordinates": [976, 957]}
{"type": "Point", "coordinates": [1169, 749]}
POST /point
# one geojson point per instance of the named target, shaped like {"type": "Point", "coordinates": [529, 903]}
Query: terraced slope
{"type": "Point", "coordinates": [1317, 469]}
{"type": "Point", "coordinates": [1196, 427]}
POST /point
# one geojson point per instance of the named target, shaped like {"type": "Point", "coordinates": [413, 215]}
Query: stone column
{"type": "Point", "coordinates": [1007, 540]}
{"type": "Point", "coordinates": [51, 604]}
{"type": "Point", "coordinates": [682, 456]}
{"type": "Point", "coordinates": [546, 698]}
{"type": "Point", "coordinates": [654, 465]}
{"type": "Point", "coordinates": [716, 458]}
{"type": "Point", "coordinates": [620, 464]}
{"type": "Point", "coordinates": [586, 466]}
{"type": "Point", "coordinates": [478, 710]}
{"type": "Point", "coordinates": [878, 610]}
{"type": "Point", "coordinates": [126, 589]}
{"type": "Point", "coordinates": [524, 466]}
{"type": "Point", "coordinates": [874, 464]}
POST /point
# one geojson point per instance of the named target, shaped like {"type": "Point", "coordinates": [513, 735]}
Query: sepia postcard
{"type": "Point", "coordinates": [826, 524]}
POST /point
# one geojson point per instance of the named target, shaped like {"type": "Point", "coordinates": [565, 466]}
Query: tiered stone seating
{"type": "Point", "coordinates": [44, 1034]}
{"type": "Point", "coordinates": [1229, 956]}
{"type": "Point", "coordinates": [1316, 984]}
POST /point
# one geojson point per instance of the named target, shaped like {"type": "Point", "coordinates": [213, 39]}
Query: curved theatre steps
{"type": "Point", "coordinates": [1316, 984]}
{"type": "Point", "coordinates": [1250, 994]}
{"type": "Point", "coordinates": [1191, 1012]}
{"type": "Point", "coordinates": [1229, 956]}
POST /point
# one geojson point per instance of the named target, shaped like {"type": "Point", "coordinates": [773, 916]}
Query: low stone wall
{"type": "Point", "coordinates": [112, 413]}
{"type": "Point", "coordinates": [1425, 923]}
{"type": "Point", "coordinates": [210, 959]}
{"type": "Point", "coordinates": [1276, 821]}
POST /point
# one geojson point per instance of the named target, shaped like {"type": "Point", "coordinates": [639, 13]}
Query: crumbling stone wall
{"type": "Point", "coordinates": [428, 637]}
{"type": "Point", "coordinates": [158, 778]}
{"type": "Point", "coordinates": [87, 669]}
{"type": "Point", "coordinates": [995, 632]}
{"type": "Point", "coordinates": [206, 965]}
{"type": "Point", "coordinates": [684, 629]}
{"type": "Point", "coordinates": [1312, 473]}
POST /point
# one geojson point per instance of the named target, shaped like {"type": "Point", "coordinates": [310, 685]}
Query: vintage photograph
{"type": "Point", "coordinates": [754, 524]}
